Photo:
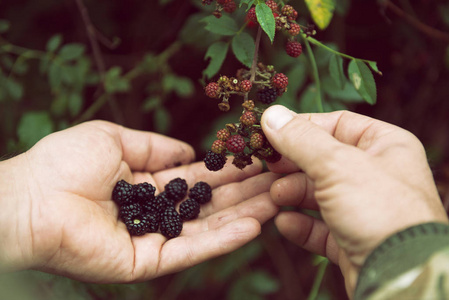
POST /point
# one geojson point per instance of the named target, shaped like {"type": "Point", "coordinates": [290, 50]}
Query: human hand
{"type": "Point", "coordinates": [57, 213]}
{"type": "Point", "coordinates": [369, 179]}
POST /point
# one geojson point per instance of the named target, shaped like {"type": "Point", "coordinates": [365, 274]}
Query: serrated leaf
{"type": "Point", "coordinates": [223, 26]}
{"type": "Point", "coordinates": [363, 80]}
{"type": "Point", "coordinates": [243, 48]}
{"type": "Point", "coordinates": [217, 54]}
{"type": "Point", "coordinates": [321, 11]}
{"type": "Point", "coordinates": [54, 42]}
{"type": "Point", "coordinates": [266, 20]}
{"type": "Point", "coordinates": [71, 51]}
{"type": "Point", "coordinates": [247, 2]}
{"type": "Point", "coordinates": [336, 70]}
{"type": "Point", "coordinates": [33, 126]}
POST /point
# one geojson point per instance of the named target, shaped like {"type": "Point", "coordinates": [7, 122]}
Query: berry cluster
{"type": "Point", "coordinates": [244, 140]}
{"type": "Point", "coordinates": [269, 85]}
{"type": "Point", "coordinates": [228, 6]}
{"type": "Point", "coordinates": [144, 212]}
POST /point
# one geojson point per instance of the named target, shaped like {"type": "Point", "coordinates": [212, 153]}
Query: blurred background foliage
{"type": "Point", "coordinates": [141, 64]}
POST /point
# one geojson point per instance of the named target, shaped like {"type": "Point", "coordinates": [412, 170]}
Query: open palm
{"type": "Point", "coordinates": [74, 228]}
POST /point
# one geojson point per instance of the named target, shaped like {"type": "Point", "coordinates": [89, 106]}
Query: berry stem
{"type": "Point", "coordinates": [316, 76]}
{"type": "Point", "coordinates": [318, 279]}
{"type": "Point", "coordinates": [256, 52]}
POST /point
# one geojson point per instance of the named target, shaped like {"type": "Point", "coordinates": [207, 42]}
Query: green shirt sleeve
{"type": "Point", "coordinates": [411, 264]}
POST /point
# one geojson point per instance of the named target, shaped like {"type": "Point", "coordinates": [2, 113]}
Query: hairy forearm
{"type": "Point", "coordinates": [15, 225]}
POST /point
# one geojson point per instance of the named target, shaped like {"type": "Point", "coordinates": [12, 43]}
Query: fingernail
{"type": "Point", "coordinates": [277, 116]}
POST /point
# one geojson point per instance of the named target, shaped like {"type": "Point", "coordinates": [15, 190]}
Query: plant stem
{"type": "Point", "coordinates": [256, 52]}
{"type": "Point", "coordinates": [316, 76]}
{"type": "Point", "coordinates": [318, 279]}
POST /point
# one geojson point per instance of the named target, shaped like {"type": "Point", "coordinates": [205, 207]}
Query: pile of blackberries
{"type": "Point", "coordinates": [144, 212]}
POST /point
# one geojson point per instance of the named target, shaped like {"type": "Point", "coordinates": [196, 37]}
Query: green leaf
{"type": "Point", "coordinates": [55, 76]}
{"type": "Point", "coordinates": [183, 86]}
{"type": "Point", "coordinates": [243, 48]}
{"type": "Point", "coordinates": [71, 51]}
{"type": "Point", "coordinates": [321, 11]}
{"type": "Point", "coordinates": [373, 66]}
{"type": "Point", "coordinates": [151, 103]}
{"type": "Point", "coordinates": [33, 126]}
{"type": "Point", "coordinates": [263, 283]}
{"type": "Point", "coordinates": [75, 104]}
{"type": "Point", "coordinates": [217, 54]}
{"type": "Point", "coordinates": [266, 20]}
{"type": "Point", "coordinates": [162, 120]}
{"type": "Point", "coordinates": [336, 70]}
{"type": "Point", "coordinates": [223, 26]}
{"type": "Point", "coordinates": [4, 25]}
{"type": "Point", "coordinates": [54, 42]}
{"type": "Point", "coordinates": [113, 82]}
{"type": "Point", "coordinates": [247, 2]}
{"type": "Point", "coordinates": [363, 80]}
{"type": "Point", "coordinates": [14, 88]}
{"type": "Point", "coordinates": [346, 94]}
{"type": "Point", "coordinates": [308, 100]}
{"type": "Point", "coordinates": [59, 105]}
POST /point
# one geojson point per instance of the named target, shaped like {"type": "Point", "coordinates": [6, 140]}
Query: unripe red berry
{"type": "Point", "coordinates": [212, 90]}
{"type": "Point", "coordinates": [245, 86]}
{"type": "Point", "coordinates": [273, 5]}
{"type": "Point", "coordinates": [221, 2]}
{"type": "Point", "coordinates": [279, 80]}
{"type": "Point", "coordinates": [256, 140]}
{"type": "Point", "coordinates": [248, 118]}
{"type": "Point", "coordinates": [223, 134]}
{"type": "Point", "coordinates": [294, 30]}
{"type": "Point", "coordinates": [235, 143]}
{"type": "Point", "coordinates": [230, 7]}
{"type": "Point", "coordinates": [218, 146]}
{"type": "Point", "coordinates": [293, 48]}
{"type": "Point", "coordinates": [289, 12]}
{"type": "Point", "coordinates": [251, 15]}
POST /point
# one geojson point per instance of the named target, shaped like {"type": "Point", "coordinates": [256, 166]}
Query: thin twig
{"type": "Point", "coordinates": [98, 57]}
{"type": "Point", "coordinates": [256, 52]}
{"type": "Point", "coordinates": [424, 28]}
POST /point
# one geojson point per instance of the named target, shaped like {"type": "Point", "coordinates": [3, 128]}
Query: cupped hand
{"type": "Point", "coordinates": [65, 222]}
{"type": "Point", "coordinates": [368, 179]}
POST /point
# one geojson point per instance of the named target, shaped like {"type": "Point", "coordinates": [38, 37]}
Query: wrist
{"type": "Point", "coordinates": [16, 247]}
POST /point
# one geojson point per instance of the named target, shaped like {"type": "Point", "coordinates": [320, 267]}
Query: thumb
{"type": "Point", "coordinates": [304, 143]}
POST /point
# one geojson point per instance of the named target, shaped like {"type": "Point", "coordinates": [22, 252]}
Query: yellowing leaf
{"type": "Point", "coordinates": [321, 11]}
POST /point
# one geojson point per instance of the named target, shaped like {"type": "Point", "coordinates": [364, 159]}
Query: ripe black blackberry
{"type": "Point", "coordinates": [136, 225]}
{"type": "Point", "coordinates": [176, 189]}
{"type": "Point", "coordinates": [162, 201]}
{"type": "Point", "coordinates": [214, 161]}
{"type": "Point", "coordinates": [130, 211]}
{"type": "Point", "coordinates": [189, 209]}
{"type": "Point", "coordinates": [144, 192]}
{"type": "Point", "coordinates": [152, 221]}
{"type": "Point", "coordinates": [123, 193]}
{"type": "Point", "coordinates": [201, 192]}
{"type": "Point", "coordinates": [170, 223]}
{"type": "Point", "coordinates": [267, 95]}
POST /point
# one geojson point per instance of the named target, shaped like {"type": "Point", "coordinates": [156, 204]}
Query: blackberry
{"type": "Point", "coordinates": [144, 192]}
{"type": "Point", "coordinates": [294, 30]}
{"type": "Point", "coordinates": [230, 7]}
{"type": "Point", "coordinates": [251, 15]}
{"type": "Point", "coordinates": [150, 207]}
{"type": "Point", "coordinates": [267, 95]}
{"type": "Point", "coordinates": [123, 193]}
{"type": "Point", "coordinates": [256, 140]}
{"type": "Point", "coordinates": [293, 48]}
{"type": "Point", "coordinates": [189, 209]}
{"type": "Point", "coordinates": [236, 143]}
{"type": "Point", "coordinates": [136, 225]}
{"type": "Point", "coordinates": [201, 192]}
{"type": "Point", "coordinates": [171, 223]}
{"type": "Point", "coordinates": [218, 146]}
{"type": "Point", "coordinates": [248, 118]}
{"type": "Point", "coordinates": [279, 80]}
{"type": "Point", "coordinates": [214, 161]}
{"type": "Point", "coordinates": [212, 90]}
{"type": "Point", "coordinates": [176, 189]}
{"type": "Point", "coordinates": [245, 86]}
{"type": "Point", "coordinates": [130, 211]}
{"type": "Point", "coordinates": [223, 134]}
{"type": "Point", "coordinates": [152, 221]}
{"type": "Point", "coordinates": [162, 201]}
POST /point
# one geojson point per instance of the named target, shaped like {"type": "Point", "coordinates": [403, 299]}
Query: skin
{"type": "Point", "coordinates": [57, 215]}
{"type": "Point", "coordinates": [368, 179]}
